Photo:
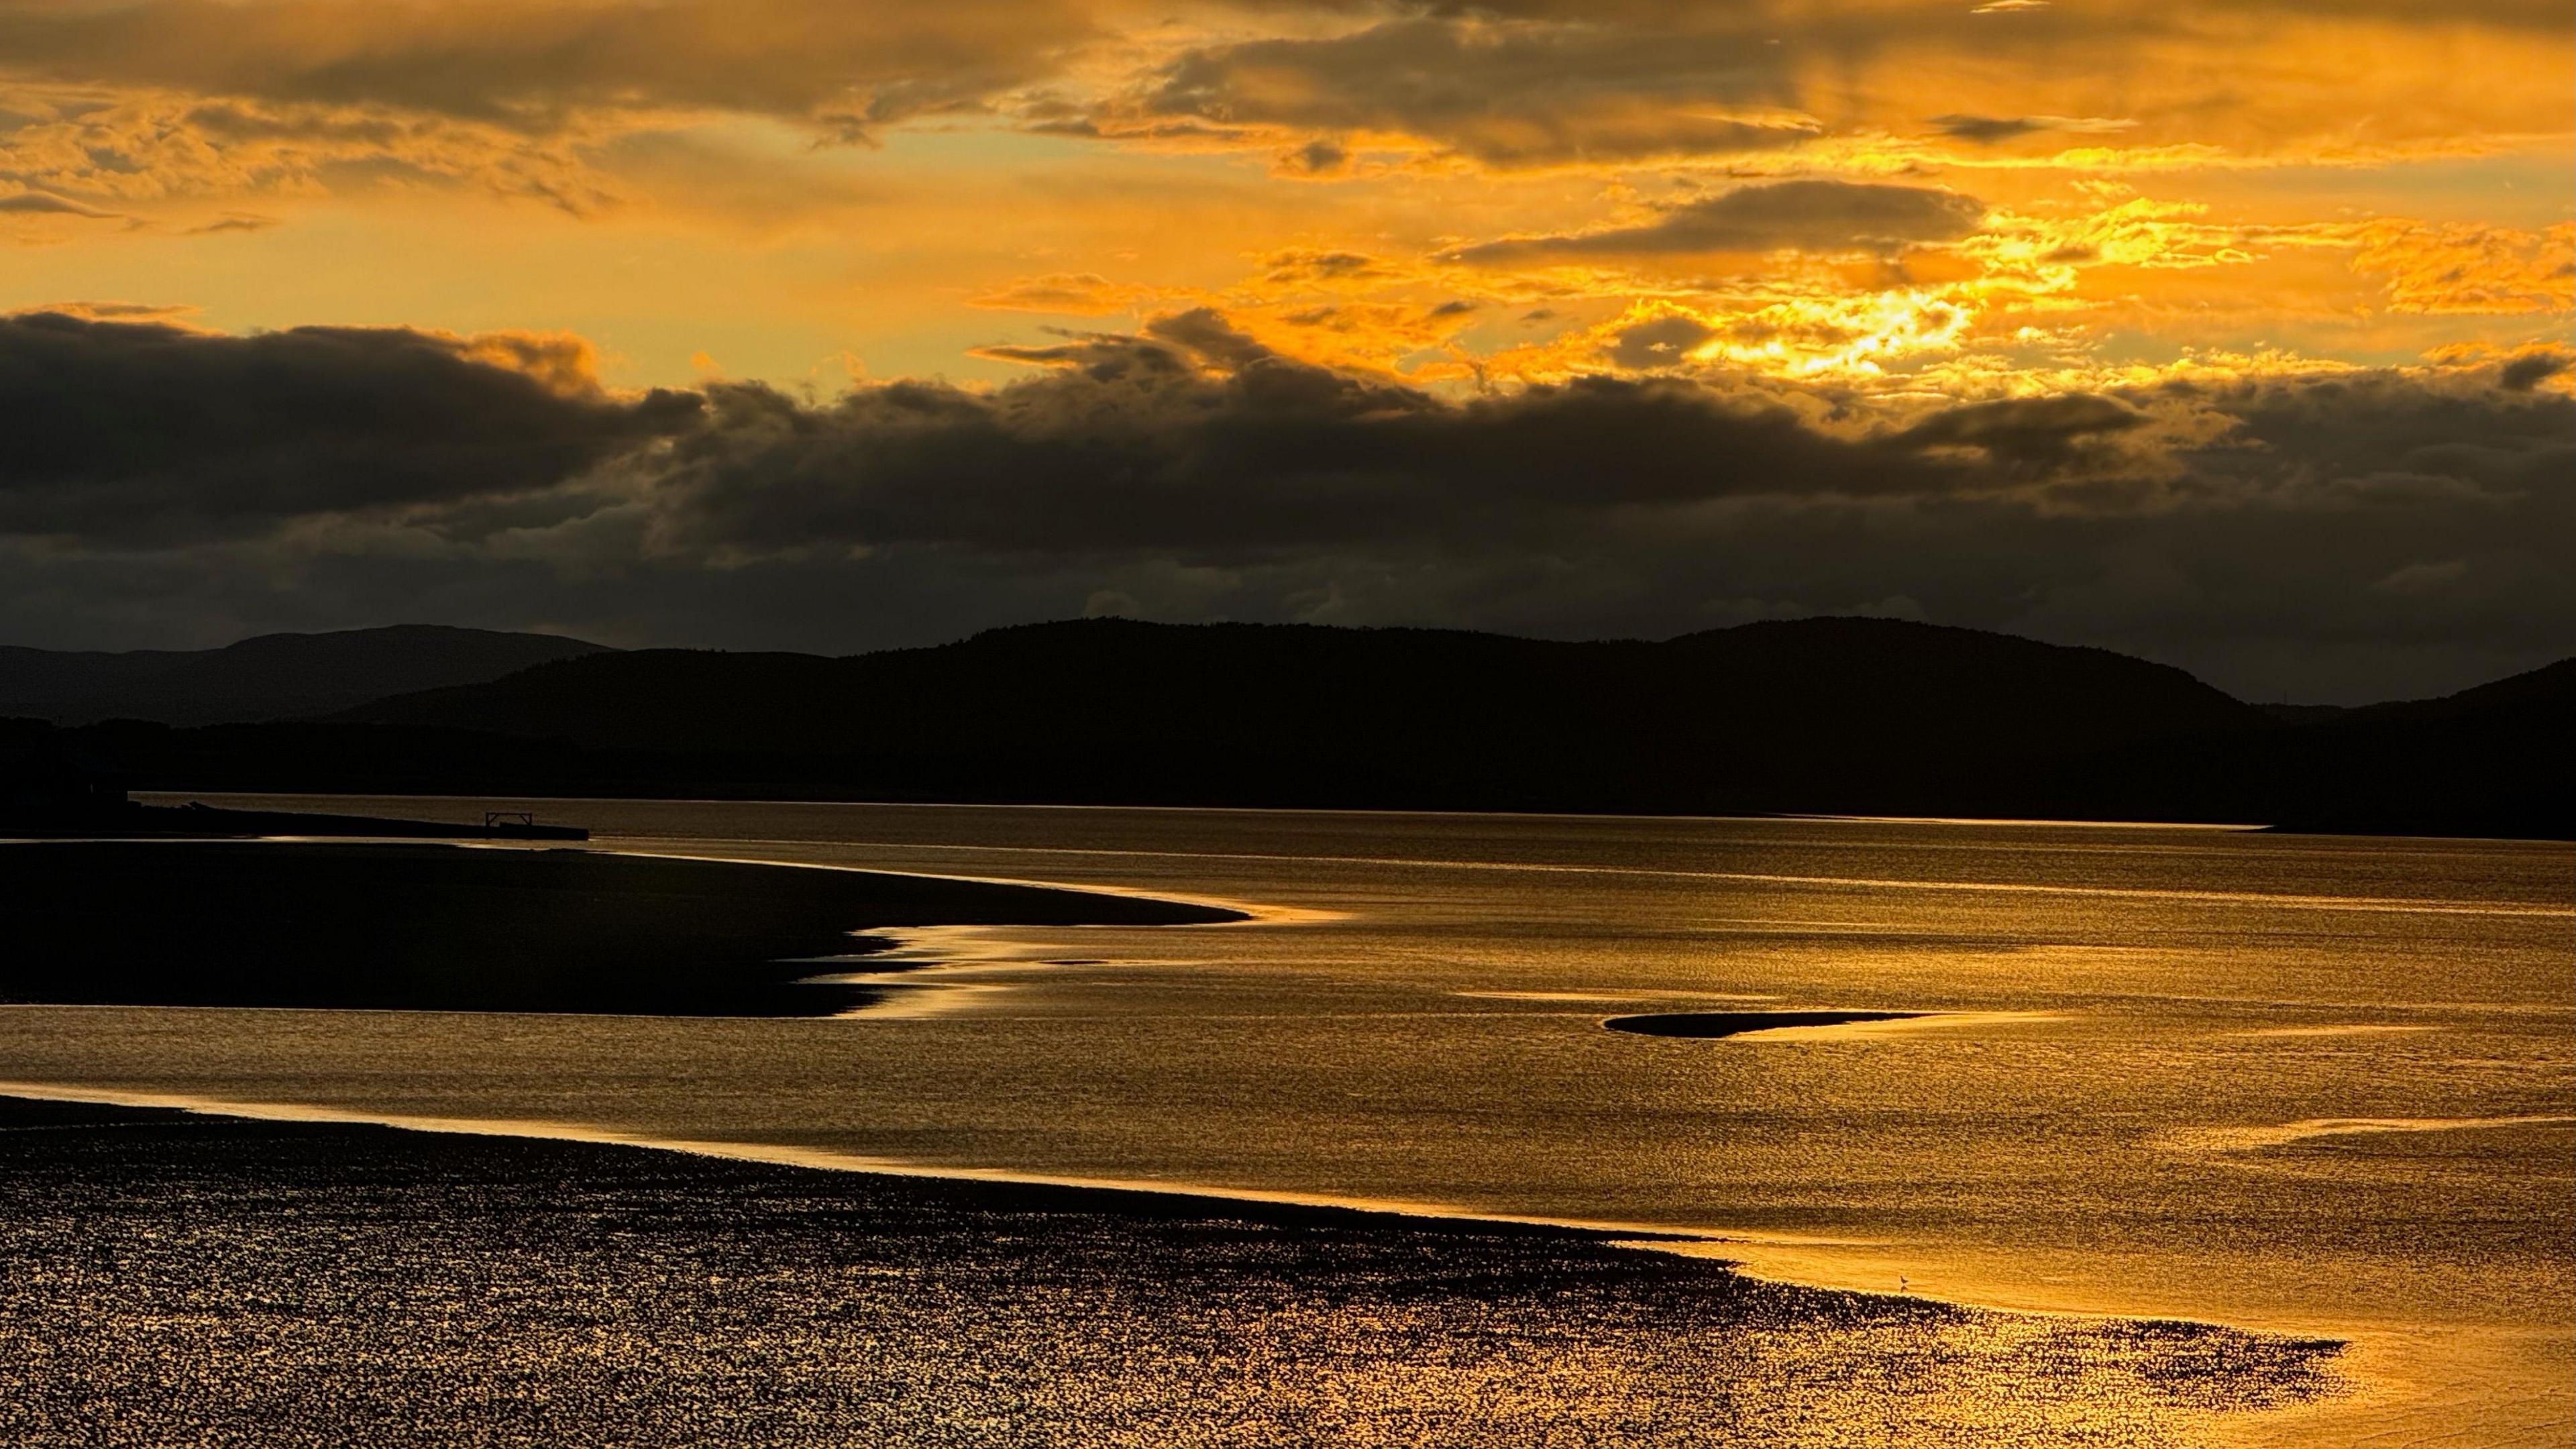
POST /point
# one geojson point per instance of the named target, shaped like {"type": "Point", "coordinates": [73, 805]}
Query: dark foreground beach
{"type": "Point", "coordinates": [175, 1278]}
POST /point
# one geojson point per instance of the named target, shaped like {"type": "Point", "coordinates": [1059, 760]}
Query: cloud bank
{"type": "Point", "coordinates": [2348, 535]}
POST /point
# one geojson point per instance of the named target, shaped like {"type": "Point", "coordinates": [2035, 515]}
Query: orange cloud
{"type": "Point", "coordinates": [2470, 269]}
{"type": "Point", "coordinates": [1079, 294]}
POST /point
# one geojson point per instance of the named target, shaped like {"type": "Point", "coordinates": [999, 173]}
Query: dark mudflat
{"type": "Point", "coordinates": [1737, 1023]}
{"type": "Point", "coordinates": [442, 927]}
{"type": "Point", "coordinates": [176, 1279]}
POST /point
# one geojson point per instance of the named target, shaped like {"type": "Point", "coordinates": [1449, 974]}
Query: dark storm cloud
{"type": "Point", "coordinates": [2360, 534]}
{"type": "Point", "coordinates": [2532, 369]}
{"type": "Point", "coordinates": [2372, 436]}
{"type": "Point", "coordinates": [114, 429]}
{"type": "Point", "coordinates": [1263, 458]}
{"type": "Point", "coordinates": [1815, 216]}
{"type": "Point", "coordinates": [1205, 332]}
{"type": "Point", "coordinates": [2034, 430]}
{"type": "Point", "coordinates": [1657, 343]}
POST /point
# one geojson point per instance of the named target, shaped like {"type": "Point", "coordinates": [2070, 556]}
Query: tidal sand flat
{"type": "Point", "coordinates": [436, 927]}
{"type": "Point", "coordinates": [168, 1277]}
{"type": "Point", "coordinates": [1737, 1023]}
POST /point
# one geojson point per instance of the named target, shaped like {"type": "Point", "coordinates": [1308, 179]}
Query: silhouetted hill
{"type": "Point", "coordinates": [1826, 713]}
{"type": "Point", "coordinates": [275, 676]}
{"type": "Point", "coordinates": [2494, 760]}
{"type": "Point", "coordinates": [1863, 716]}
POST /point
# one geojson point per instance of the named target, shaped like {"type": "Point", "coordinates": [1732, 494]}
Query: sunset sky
{"type": "Point", "coordinates": [2232, 334]}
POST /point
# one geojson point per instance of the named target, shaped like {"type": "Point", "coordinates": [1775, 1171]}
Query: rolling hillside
{"type": "Point", "coordinates": [274, 676]}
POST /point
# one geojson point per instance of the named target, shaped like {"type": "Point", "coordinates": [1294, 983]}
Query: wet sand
{"type": "Point", "coordinates": [170, 1277]}
{"type": "Point", "coordinates": [1712, 1024]}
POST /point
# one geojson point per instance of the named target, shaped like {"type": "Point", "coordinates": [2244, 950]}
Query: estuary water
{"type": "Point", "coordinates": [2319, 1085]}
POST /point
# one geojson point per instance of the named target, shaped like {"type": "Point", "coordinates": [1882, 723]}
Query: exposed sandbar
{"type": "Point", "coordinates": [440, 927]}
{"type": "Point", "coordinates": [1737, 1023]}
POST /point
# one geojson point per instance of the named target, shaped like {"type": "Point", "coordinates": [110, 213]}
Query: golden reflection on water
{"type": "Point", "coordinates": [2146, 1093]}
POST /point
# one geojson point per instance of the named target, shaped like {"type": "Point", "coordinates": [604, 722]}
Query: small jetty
{"type": "Point", "coordinates": [523, 825]}
{"type": "Point", "coordinates": [199, 818]}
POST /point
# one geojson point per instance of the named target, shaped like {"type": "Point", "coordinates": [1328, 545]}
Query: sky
{"type": "Point", "coordinates": [2231, 333]}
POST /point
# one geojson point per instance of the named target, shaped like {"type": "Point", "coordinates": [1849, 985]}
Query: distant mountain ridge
{"type": "Point", "coordinates": [1838, 712]}
{"type": "Point", "coordinates": [273, 676]}
{"type": "Point", "coordinates": [2492, 760]}
{"type": "Point", "coordinates": [1837, 715]}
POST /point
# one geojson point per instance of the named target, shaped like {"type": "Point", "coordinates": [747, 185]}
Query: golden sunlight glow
{"type": "Point", "coordinates": [1511, 198]}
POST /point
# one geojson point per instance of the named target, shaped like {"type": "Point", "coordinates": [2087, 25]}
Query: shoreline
{"type": "Point", "coordinates": [1679, 1241]}
{"type": "Point", "coordinates": [2368, 1362]}
{"type": "Point", "coordinates": [1775, 817]}
{"type": "Point", "coordinates": [1016, 1310]}
{"type": "Point", "coordinates": [2364, 1363]}
{"type": "Point", "coordinates": [824, 1160]}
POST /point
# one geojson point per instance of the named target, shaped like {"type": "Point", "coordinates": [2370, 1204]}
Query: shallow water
{"type": "Point", "coordinates": [2304, 1083]}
